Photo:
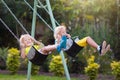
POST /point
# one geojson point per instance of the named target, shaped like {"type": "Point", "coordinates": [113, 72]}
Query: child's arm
{"type": "Point", "coordinates": [35, 41]}
{"type": "Point", "coordinates": [23, 52]}
{"type": "Point", "coordinates": [57, 40]}
{"type": "Point", "coordinates": [68, 35]}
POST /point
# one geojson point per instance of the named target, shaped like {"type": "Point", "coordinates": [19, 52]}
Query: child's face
{"type": "Point", "coordinates": [63, 30]}
{"type": "Point", "coordinates": [27, 41]}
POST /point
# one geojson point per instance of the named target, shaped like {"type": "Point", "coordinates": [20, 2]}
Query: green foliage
{"type": "Point", "coordinates": [35, 69]}
{"type": "Point", "coordinates": [115, 65]}
{"type": "Point", "coordinates": [3, 53]}
{"type": "Point", "coordinates": [77, 64]}
{"type": "Point", "coordinates": [83, 17]}
{"type": "Point", "coordinates": [23, 64]}
{"type": "Point", "coordinates": [13, 60]}
{"type": "Point", "coordinates": [92, 69]}
{"type": "Point", "coordinates": [105, 61]}
{"type": "Point", "coordinates": [98, 34]}
{"type": "Point", "coordinates": [45, 66]}
{"type": "Point", "coordinates": [3, 57]}
{"type": "Point", "coordinates": [79, 14]}
{"type": "Point", "coordinates": [56, 66]}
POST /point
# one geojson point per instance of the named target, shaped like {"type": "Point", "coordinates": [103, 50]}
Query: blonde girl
{"type": "Point", "coordinates": [61, 30]}
{"type": "Point", "coordinates": [27, 41]}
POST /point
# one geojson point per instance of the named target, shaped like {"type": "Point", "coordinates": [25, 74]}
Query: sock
{"type": "Point", "coordinates": [98, 48]}
{"type": "Point", "coordinates": [62, 43]}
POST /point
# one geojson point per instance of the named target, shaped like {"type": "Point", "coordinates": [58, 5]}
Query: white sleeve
{"type": "Point", "coordinates": [68, 44]}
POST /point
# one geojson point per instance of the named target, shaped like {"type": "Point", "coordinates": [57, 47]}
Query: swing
{"type": "Point", "coordinates": [36, 57]}
{"type": "Point", "coordinates": [72, 48]}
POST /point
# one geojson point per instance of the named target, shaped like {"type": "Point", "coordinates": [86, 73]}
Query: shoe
{"type": "Point", "coordinates": [102, 48]}
{"type": "Point", "coordinates": [62, 43]}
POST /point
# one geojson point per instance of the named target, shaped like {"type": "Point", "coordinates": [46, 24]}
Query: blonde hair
{"type": "Point", "coordinates": [57, 31]}
{"type": "Point", "coordinates": [23, 36]}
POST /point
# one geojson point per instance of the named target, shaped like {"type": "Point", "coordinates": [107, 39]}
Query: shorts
{"type": "Point", "coordinates": [82, 42]}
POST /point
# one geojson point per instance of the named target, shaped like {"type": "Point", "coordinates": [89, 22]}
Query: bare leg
{"type": "Point", "coordinates": [48, 48]}
{"type": "Point", "coordinates": [104, 47]}
{"type": "Point", "coordinates": [91, 42]}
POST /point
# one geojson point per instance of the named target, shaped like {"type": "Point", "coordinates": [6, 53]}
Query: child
{"type": "Point", "coordinates": [26, 42]}
{"type": "Point", "coordinates": [102, 49]}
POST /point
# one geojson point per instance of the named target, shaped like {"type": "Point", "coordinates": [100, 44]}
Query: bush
{"type": "Point", "coordinates": [56, 66]}
{"type": "Point", "coordinates": [116, 69]}
{"type": "Point", "coordinates": [13, 60]}
{"type": "Point", "coordinates": [92, 69]}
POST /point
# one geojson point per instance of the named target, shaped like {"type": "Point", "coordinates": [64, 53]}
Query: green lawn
{"type": "Point", "coordinates": [36, 77]}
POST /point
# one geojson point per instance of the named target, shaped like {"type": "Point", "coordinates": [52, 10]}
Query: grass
{"type": "Point", "coordinates": [35, 77]}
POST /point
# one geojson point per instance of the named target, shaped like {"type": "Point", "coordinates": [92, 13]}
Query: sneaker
{"type": "Point", "coordinates": [102, 48]}
{"type": "Point", "coordinates": [62, 43]}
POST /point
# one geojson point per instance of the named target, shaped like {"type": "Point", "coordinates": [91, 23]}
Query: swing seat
{"type": "Point", "coordinates": [73, 48]}
{"type": "Point", "coordinates": [36, 57]}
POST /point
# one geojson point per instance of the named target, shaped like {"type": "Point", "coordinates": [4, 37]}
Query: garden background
{"type": "Point", "coordinates": [99, 19]}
